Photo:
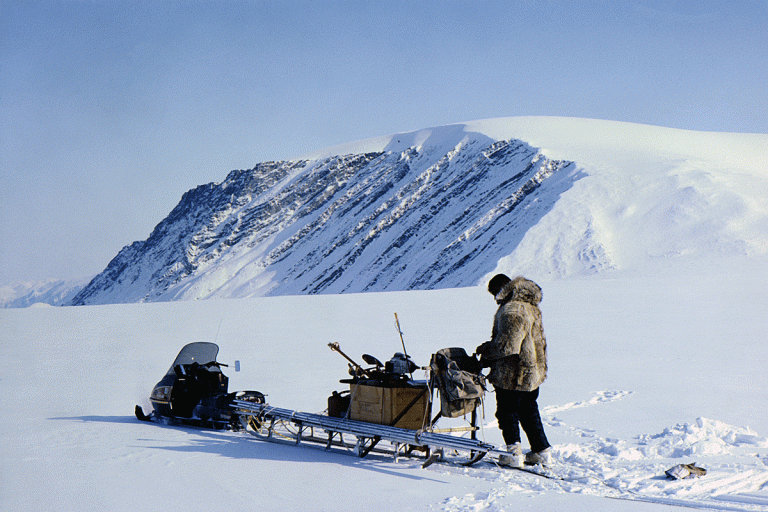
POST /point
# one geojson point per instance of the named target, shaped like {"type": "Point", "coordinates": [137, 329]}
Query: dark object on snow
{"type": "Point", "coordinates": [683, 471]}
{"type": "Point", "coordinates": [194, 391]}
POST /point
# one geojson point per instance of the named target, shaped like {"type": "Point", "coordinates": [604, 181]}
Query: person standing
{"type": "Point", "coordinates": [517, 357]}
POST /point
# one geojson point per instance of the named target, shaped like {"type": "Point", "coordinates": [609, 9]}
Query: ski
{"type": "Point", "coordinates": [537, 470]}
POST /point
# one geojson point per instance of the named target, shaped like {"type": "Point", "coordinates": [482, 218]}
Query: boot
{"type": "Point", "coordinates": [515, 457]}
{"type": "Point", "coordinates": [542, 458]}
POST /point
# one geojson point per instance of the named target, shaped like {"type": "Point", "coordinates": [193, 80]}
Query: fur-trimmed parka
{"type": "Point", "coordinates": [517, 352]}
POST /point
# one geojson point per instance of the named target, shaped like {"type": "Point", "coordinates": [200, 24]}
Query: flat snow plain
{"type": "Point", "coordinates": [646, 371]}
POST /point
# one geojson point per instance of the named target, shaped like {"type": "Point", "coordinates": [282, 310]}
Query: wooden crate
{"type": "Point", "coordinates": [379, 404]}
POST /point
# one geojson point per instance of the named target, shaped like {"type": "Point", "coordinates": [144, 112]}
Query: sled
{"type": "Point", "coordinates": [382, 403]}
{"type": "Point", "coordinates": [285, 425]}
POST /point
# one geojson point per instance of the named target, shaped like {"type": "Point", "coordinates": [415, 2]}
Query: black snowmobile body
{"type": "Point", "coordinates": [194, 391]}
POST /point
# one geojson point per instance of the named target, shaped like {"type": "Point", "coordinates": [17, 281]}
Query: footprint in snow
{"type": "Point", "coordinates": [600, 397]}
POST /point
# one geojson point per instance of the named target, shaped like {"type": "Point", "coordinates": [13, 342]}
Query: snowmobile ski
{"type": "Point", "coordinates": [140, 414]}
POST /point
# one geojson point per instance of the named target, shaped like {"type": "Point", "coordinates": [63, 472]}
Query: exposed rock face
{"type": "Point", "coordinates": [423, 218]}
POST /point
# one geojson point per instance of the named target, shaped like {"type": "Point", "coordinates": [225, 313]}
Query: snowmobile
{"type": "Point", "coordinates": [194, 392]}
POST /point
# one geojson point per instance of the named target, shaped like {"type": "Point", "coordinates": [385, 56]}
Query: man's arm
{"type": "Point", "coordinates": [508, 338]}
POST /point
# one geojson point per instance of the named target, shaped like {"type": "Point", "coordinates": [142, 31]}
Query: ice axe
{"type": "Point", "coordinates": [358, 369]}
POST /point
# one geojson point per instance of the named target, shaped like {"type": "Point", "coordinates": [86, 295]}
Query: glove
{"type": "Point", "coordinates": [480, 351]}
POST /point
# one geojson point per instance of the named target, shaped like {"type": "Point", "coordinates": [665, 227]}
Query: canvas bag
{"type": "Point", "coordinates": [458, 380]}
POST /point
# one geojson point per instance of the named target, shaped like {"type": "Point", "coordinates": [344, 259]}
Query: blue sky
{"type": "Point", "coordinates": [111, 110]}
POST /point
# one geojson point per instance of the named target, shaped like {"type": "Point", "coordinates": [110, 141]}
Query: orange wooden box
{"type": "Point", "coordinates": [379, 404]}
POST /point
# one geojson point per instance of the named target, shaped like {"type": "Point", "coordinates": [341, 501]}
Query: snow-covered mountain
{"type": "Point", "coordinates": [444, 207]}
{"type": "Point", "coordinates": [54, 292]}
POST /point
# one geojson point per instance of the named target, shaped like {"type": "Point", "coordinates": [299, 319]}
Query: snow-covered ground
{"type": "Point", "coordinates": [646, 371]}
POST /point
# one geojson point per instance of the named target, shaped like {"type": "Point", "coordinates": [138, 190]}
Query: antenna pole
{"type": "Point", "coordinates": [405, 352]}
{"type": "Point", "coordinates": [217, 330]}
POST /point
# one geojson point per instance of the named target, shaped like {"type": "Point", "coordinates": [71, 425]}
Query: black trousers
{"type": "Point", "coordinates": [519, 408]}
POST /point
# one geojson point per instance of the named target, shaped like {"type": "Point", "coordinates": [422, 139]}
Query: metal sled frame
{"type": "Point", "coordinates": [262, 420]}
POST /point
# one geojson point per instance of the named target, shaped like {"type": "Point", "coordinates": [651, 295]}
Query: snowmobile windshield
{"type": "Point", "coordinates": [199, 352]}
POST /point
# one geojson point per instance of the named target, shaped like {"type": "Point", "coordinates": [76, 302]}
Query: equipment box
{"type": "Point", "coordinates": [383, 404]}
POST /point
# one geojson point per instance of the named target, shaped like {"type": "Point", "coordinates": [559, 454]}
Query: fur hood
{"type": "Point", "coordinates": [520, 289]}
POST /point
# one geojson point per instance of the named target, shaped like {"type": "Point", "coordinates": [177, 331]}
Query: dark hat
{"type": "Point", "coordinates": [497, 283]}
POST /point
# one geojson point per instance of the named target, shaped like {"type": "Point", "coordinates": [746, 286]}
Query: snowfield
{"type": "Point", "coordinates": [654, 270]}
{"type": "Point", "coordinates": [645, 373]}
